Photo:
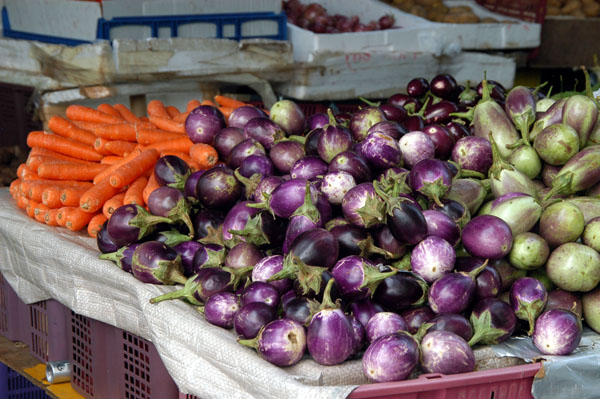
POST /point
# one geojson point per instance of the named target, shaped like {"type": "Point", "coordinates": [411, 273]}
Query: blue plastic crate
{"type": "Point", "coordinates": [14, 386]}
{"type": "Point", "coordinates": [227, 26]}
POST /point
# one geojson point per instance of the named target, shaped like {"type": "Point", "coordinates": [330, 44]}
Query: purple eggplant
{"type": "Point", "coordinates": [432, 178]}
{"type": "Point", "coordinates": [389, 128]}
{"type": "Point", "coordinates": [308, 168]}
{"type": "Point", "coordinates": [226, 139]}
{"type": "Point", "coordinates": [209, 255]}
{"type": "Point", "coordinates": [432, 258]}
{"type": "Point", "coordinates": [385, 240]}
{"type": "Point", "coordinates": [417, 316]}
{"type": "Point", "coordinates": [456, 210]}
{"type": "Point", "coordinates": [311, 141]}
{"type": "Point", "coordinates": [392, 357]}
{"type": "Point", "coordinates": [335, 185]}
{"type": "Point", "coordinates": [551, 116]}
{"type": "Point", "coordinates": [332, 141]}
{"type": "Point", "coordinates": [457, 130]}
{"type": "Point", "coordinates": [171, 171]}
{"type": "Point", "coordinates": [363, 119]}
{"type": "Point", "coordinates": [520, 107]}
{"type": "Point", "coordinates": [305, 218]}
{"type": "Point", "coordinates": [487, 236]}
{"type": "Point", "coordinates": [130, 223]}
{"type": "Point", "coordinates": [364, 309]}
{"type": "Point", "coordinates": [221, 308]}
{"type": "Point", "coordinates": [394, 113]}
{"type": "Point", "coordinates": [468, 97]}
{"type": "Point", "coordinates": [384, 323]}
{"type": "Point", "coordinates": [401, 291]}
{"type": "Point", "coordinates": [249, 320]}
{"type": "Point", "coordinates": [266, 268]}
{"type": "Point", "coordinates": [243, 150]}
{"type": "Point", "coordinates": [362, 206]}
{"type": "Point", "coordinates": [446, 353]}
{"type": "Point", "coordinates": [281, 342]}
{"type": "Point", "coordinates": [241, 115]}
{"type": "Point", "coordinates": [441, 225]}
{"type": "Point", "coordinates": [453, 322]}
{"type": "Point", "coordinates": [357, 277]}
{"type": "Point", "coordinates": [242, 255]}
{"type": "Point", "coordinates": [411, 104]}
{"type": "Point", "coordinates": [218, 188]}
{"type": "Point", "coordinates": [300, 309]}
{"type": "Point", "coordinates": [289, 116]}
{"type": "Point", "coordinates": [359, 336]}
{"type": "Point", "coordinates": [579, 173]}
{"type": "Point", "coordinates": [265, 187]}
{"type": "Point", "coordinates": [189, 188]}
{"type": "Point", "coordinates": [493, 322]}
{"type": "Point", "coordinates": [170, 236]}
{"type": "Point", "coordinates": [528, 298]}
{"type": "Point", "coordinates": [206, 224]}
{"type": "Point", "coordinates": [104, 240]}
{"type": "Point", "coordinates": [381, 151]}
{"type": "Point", "coordinates": [263, 130]}
{"type": "Point", "coordinates": [156, 263]}
{"type": "Point", "coordinates": [559, 299]}
{"type": "Point", "coordinates": [406, 222]}
{"type": "Point", "coordinates": [203, 124]}
{"type": "Point", "coordinates": [441, 139]}
{"type": "Point", "coordinates": [520, 211]}
{"type": "Point", "coordinates": [417, 87]}
{"type": "Point", "coordinates": [557, 332]}
{"type": "Point", "coordinates": [352, 163]}
{"type": "Point", "coordinates": [415, 147]}
{"type": "Point", "coordinates": [187, 250]}
{"type": "Point", "coordinates": [488, 281]}
{"type": "Point", "coordinates": [444, 86]}
{"type": "Point", "coordinates": [581, 113]}
{"type": "Point", "coordinates": [170, 202]}
{"type": "Point", "coordinates": [256, 164]}
{"type": "Point", "coordinates": [285, 154]}
{"type": "Point", "coordinates": [259, 291]}
{"type": "Point", "coordinates": [469, 192]}
{"type": "Point", "coordinates": [454, 292]}
{"type": "Point", "coordinates": [287, 197]}
{"type": "Point", "coordinates": [440, 112]}
{"type": "Point", "coordinates": [317, 120]}
{"type": "Point", "coordinates": [122, 257]}
{"type": "Point", "coordinates": [473, 153]}
{"type": "Point", "coordinates": [354, 240]}
{"type": "Point", "coordinates": [330, 336]}
{"type": "Point", "coordinates": [236, 221]}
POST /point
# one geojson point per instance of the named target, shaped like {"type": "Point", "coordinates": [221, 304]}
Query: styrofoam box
{"type": "Point", "coordinates": [379, 75]}
{"type": "Point", "coordinates": [414, 35]}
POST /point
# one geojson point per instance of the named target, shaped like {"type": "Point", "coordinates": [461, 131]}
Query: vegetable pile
{"type": "Point", "coordinates": [404, 233]}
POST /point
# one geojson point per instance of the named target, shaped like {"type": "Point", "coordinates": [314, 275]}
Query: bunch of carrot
{"type": "Point", "coordinates": [94, 160]}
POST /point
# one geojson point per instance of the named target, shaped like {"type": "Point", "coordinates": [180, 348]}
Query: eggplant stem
{"type": "Point", "coordinates": [369, 103]}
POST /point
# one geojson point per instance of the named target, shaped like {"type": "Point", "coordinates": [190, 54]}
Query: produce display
{"type": "Point", "coordinates": [403, 234]}
{"type": "Point", "coordinates": [574, 8]}
{"type": "Point", "coordinates": [437, 11]}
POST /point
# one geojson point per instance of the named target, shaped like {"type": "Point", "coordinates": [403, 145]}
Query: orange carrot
{"type": "Point", "coordinates": [32, 176]}
{"type": "Point", "coordinates": [121, 131]}
{"type": "Point", "coordinates": [68, 171]}
{"type": "Point", "coordinates": [173, 111]}
{"type": "Point", "coordinates": [110, 159]}
{"type": "Point", "coordinates": [120, 147]}
{"type": "Point", "coordinates": [51, 197]}
{"type": "Point", "coordinates": [70, 196]}
{"type": "Point", "coordinates": [116, 165]}
{"type": "Point", "coordinates": [50, 218]}
{"type": "Point", "coordinates": [185, 157]}
{"type": "Point", "coordinates": [149, 136]}
{"type": "Point", "coordinates": [133, 169]}
{"type": "Point", "coordinates": [38, 151]}
{"type": "Point", "coordinates": [63, 145]}
{"type": "Point", "coordinates": [126, 113]}
{"type": "Point", "coordinates": [205, 155]}
{"type": "Point", "coordinates": [93, 199]}
{"type": "Point", "coordinates": [22, 201]}
{"type": "Point", "coordinates": [150, 186]}
{"type": "Point", "coordinates": [61, 215]}
{"type": "Point", "coordinates": [225, 101]}
{"type": "Point", "coordinates": [31, 207]}
{"type": "Point", "coordinates": [108, 109]}
{"type": "Point", "coordinates": [36, 191]}
{"type": "Point", "coordinates": [34, 161]}
{"type": "Point", "coordinates": [65, 128]}
{"type": "Point", "coordinates": [112, 204]}
{"type": "Point", "coordinates": [78, 219]}
{"type": "Point", "coordinates": [181, 144]}
{"type": "Point", "coordinates": [226, 111]}
{"type": "Point", "coordinates": [100, 146]}
{"type": "Point", "coordinates": [168, 124]}
{"type": "Point", "coordinates": [39, 212]}
{"type": "Point", "coordinates": [193, 104]}
{"type": "Point", "coordinates": [157, 108]}
{"type": "Point", "coordinates": [209, 102]}
{"type": "Point", "coordinates": [24, 170]}
{"type": "Point", "coordinates": [182, 117]}
{"type": "Point", "coordinates": [89, 126]}
{"type": "Point", "coordinates": [133, 195]}
{"type": "Point", "coordinates": [95, 225]}
{"type": "Point", "coordinates": [14, 187]}
{"type": "Point", "coordinates": [87, 114]}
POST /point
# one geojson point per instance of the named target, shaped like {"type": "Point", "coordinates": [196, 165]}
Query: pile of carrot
{"type": "Point", "coordinates": [92, 161]}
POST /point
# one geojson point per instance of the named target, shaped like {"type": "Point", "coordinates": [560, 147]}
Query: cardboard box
{"type": "Point", "coordinates": [568, 42]}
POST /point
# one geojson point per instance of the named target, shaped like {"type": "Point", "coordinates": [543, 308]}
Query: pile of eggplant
{"type": "Point", "coordinates": [404, 233]}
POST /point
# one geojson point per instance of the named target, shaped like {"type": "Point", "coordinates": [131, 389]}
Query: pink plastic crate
{"type": "Point", "coordinates": [109, 363]}
{"type": "Point", "coordinates": [187, 396]}
{"type": "Point", "coordinates": [505, 383]}
{"type": "Point", "coordinates": [47, 331]}
{"type": "Point", "coordinates": [13, 313]}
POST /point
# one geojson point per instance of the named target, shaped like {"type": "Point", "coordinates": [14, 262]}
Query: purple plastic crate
{"type": "Point", "coordinates": [14, 386]}
{"type": "Point", "coordinates": [13, 313]}
{"type": "Point", "coordinates": [47, 336]}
